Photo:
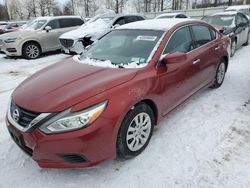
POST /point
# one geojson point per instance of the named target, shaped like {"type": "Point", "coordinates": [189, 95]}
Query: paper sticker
{"type": "Point", "coordinates": [135, 59]}
{"type": "Point", "coordinates": [147, 38]}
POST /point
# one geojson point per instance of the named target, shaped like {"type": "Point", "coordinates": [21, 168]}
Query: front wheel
{"type": "Point", "coordinates": [31, 50]}
{"type": "Point", "coordinates": [135, 131]}
{"type": "Point", "coordinates": [220, 75]}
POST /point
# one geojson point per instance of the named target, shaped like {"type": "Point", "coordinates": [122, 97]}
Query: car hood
{"type": "Point", "coordinates": [21, 33]}
{"type": "Point", "coordinates": [94, 29]}
{"type": "Point", "coordinates": [67, 83]}
{"type": "Point", "coordinates": [80, 33]}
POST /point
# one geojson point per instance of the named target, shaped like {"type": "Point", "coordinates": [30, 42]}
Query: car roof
{"type": "Point", "coordinates": [55, 17]}
{"type": "Point", "coordinates": [118, 15]}
{"type": "Point", "coordinates": [238, 7]}
{"type": "Point", "coordinates": [229, 13]}
{"type": "Point", "coordinates": [161, 24]}
{"type": "Point", "coordinates": [170, 14]}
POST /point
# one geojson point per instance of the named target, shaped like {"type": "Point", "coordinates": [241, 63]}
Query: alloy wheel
{"type": "Point", "coordinates": [138, 131]}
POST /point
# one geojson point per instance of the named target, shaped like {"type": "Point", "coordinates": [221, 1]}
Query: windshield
{"type": "Point", "coordinates": [122, 47]}
{"type": "Point", "coordinates": [220, 20]}
{"type": "Point", "coordinates": [98, 22]}
{"type": "Point", "coordinates": [35, 25]}
{"type": "Point", "coordinates": [163, 17]}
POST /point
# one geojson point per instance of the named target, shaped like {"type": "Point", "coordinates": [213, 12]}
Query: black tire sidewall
{"type": "Point", "coordinates": [216, 83]}
{"type": "Point", "coordinates": [122, 148]}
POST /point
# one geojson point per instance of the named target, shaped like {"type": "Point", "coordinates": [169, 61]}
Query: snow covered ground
{"type": "Point", "coordinates": [203, 143]}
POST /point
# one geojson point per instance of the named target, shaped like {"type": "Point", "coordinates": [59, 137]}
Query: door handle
{"type": "Point", "coordinates": [196, 61]}
{"type": "Point", "coordinates": [217, 48]}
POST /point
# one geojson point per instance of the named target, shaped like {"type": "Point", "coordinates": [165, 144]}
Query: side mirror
{"type": "Point", "coordinates": [48, 28]}
{"type": "Point", "coordinates": [176, 57]}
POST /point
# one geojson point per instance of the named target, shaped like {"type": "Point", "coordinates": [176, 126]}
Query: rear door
{"type": "Point", "coordinates": [206, 54]}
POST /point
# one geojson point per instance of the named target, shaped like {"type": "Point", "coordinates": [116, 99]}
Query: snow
{"type": "Point", "coordinates": [107, 63]}
{"type": "Point", "coordinates": [203, 143]}
{"type": "Point", "coordinates": [161, 24]}
{"type": "Point", "coordinates": [94, 28]}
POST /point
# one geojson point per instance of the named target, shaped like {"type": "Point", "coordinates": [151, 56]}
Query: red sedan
{"type": "Point", "coordinates": [105, 102]}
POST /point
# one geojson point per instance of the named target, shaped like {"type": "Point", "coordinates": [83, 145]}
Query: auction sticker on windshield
{"type": "Point", "coordinates": [147, 38]}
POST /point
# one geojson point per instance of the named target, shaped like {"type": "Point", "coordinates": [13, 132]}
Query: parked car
{"type": "Point", "coordinates": [74, 42]}
{"type": "Point", "coordinates": [40, 36]}
{"type": "Point", "coordinates": [3, 23]}
{"type": "Point", "coordinates": [85, 110]}
{"type": "Point", "coordinates": [171, 15]}
{"type": "Point", "coordinates": [233, 24]}
{"type": "Point", "coordinates": [245, 9]}
{"type": "Point", "coordinates": [11, 26]}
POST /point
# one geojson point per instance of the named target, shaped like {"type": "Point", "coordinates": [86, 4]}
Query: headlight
{"type": "Point", "coordinates": [10, 40]}
{"type": "Point", "coordinates": [67, 121]}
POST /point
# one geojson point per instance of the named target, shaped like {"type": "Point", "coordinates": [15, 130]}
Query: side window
{"type": "Point", "coordinates": [202, 35]}
{"type": "Point", "coordinates": [130, 19]}
{"type": "Point", "coordinates": [76, 22]}
{"type": "Point", "coordinates": [181, 41]}
{"type": "Point", "coordinates": [139, 18]}
{"type": "Point", "coordinates": [54, 24]}
{"type": "Point", "coordinates": [214, 34]}
{"type": "Point", "coordinates": [238, 20]}
{"type": "Point", "coordinates": [244, 19]}
{"type": "Point", "coordinates": [65, 23]}
{"type": "Point", "coordinates": [120, 21]}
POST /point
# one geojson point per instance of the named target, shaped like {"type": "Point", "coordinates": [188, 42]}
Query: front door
{"type": "Point", "coordinates": [179, 80]}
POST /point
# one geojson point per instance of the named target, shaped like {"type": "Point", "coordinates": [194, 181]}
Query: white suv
{"type": "Point", "coordinates": [72, 42]}
{"type": "Point", "coordinates": [39, 36]}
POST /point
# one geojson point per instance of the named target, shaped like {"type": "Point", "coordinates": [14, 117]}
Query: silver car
{"type": "Point", "coordinates": [73, 42]}
{"type": "Point", "coordinates": [39, 36]}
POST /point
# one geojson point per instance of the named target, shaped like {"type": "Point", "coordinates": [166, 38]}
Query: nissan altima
{"type": "Point", "coordinates": [105, 102]}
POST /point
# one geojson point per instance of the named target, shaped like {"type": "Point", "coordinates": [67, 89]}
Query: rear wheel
{"type": "Point", "coordinates": [31, 50]}
{"type": "Point", "coordinates": [247, 42]}
{"type": "Point", "coordinates": [135, 131]}
{"type": "Point", "coordinates": [220, 75]}
{"type": "Point", "coordinates": [233, 48]}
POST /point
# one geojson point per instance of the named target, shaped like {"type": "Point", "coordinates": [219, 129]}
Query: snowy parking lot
{"type": "Point", "coordinates": [203, 143]}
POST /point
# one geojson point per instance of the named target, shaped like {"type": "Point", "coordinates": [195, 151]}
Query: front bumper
{"type": "Point", "coordinates": [82, 148]}
{"type": "Point", "coordinates": [10, 49]}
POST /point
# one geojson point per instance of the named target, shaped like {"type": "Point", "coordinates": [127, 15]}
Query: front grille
{"type": "Point", "coordinates": [21, 116]}
{"type": "Point", "coordinates": [73, 158]}
{"type": "Point", "coordinates": [67, 43]}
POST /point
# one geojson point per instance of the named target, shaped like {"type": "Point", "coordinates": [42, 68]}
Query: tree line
{"type": "Point", "coordinates": [26, 9]}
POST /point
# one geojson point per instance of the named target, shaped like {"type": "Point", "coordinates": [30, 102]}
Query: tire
{"type": "Point", "coordinates": [247, 42]}
{"type": "Point", "coordinates": [233, 47]}
{"type": "Point", "coordinates": [31, 50]}
{"type": "Point", "coordinates": [220, 75]}
{"type": "Point", "coordinates": [134, 136]}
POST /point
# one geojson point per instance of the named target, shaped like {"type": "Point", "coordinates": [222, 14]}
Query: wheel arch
{"type": "Point", "coordinates": [31, 41]}
{"type": "Point", "coordinates": [153, 106]}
